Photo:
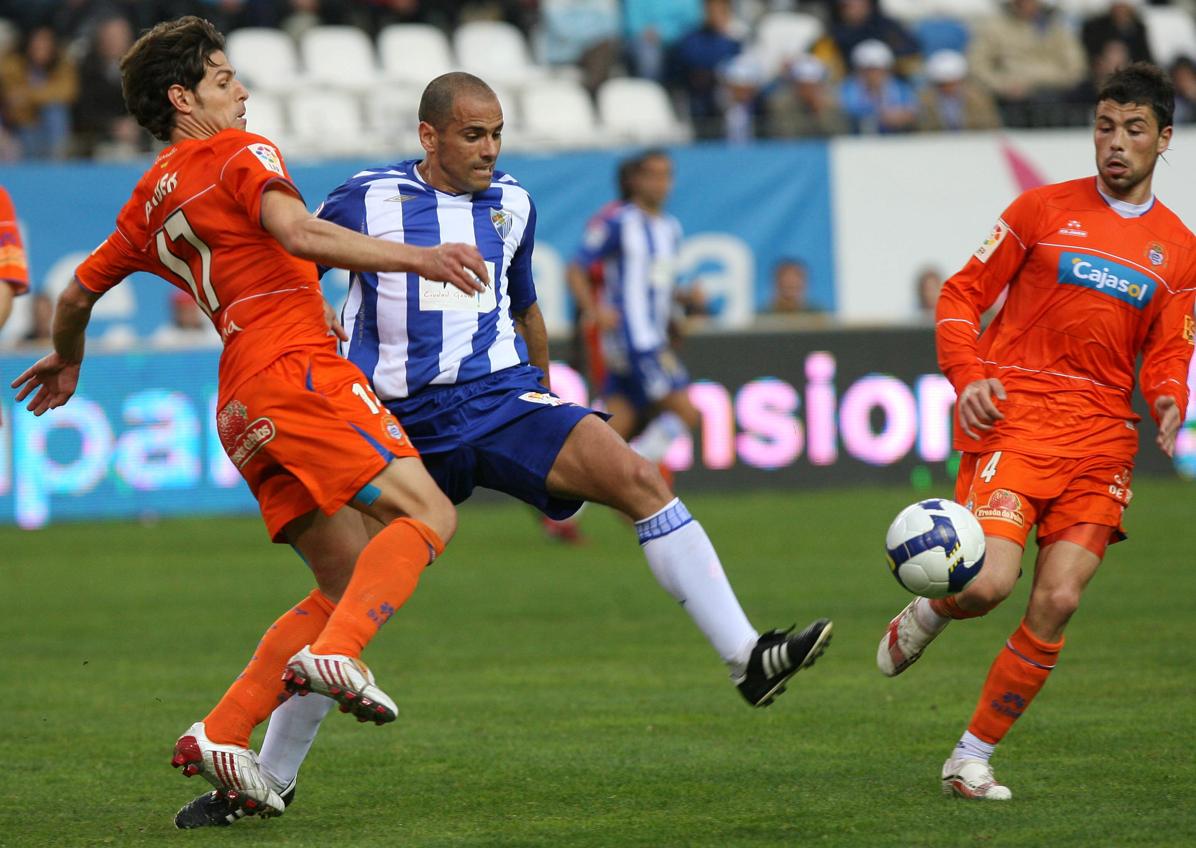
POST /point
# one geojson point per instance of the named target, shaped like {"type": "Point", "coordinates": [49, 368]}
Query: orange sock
{"type": "Point", "coordinates": [258, 689]}
{"type": "Point", "coordinates": [384, 577]}
{"type": "Point", "coordinates": [1017, 674]}
{"type": "Point", "coordinates": [948, 607]}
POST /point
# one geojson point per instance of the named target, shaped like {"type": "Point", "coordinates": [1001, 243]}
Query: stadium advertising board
{"type": "Point", "coordinates": [779, 410]}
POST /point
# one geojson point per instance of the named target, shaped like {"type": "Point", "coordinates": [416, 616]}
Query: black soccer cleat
{"type": "Point", "coordinates": [778, 656]}
{"type": "Point", "coordinates": [213, 809]}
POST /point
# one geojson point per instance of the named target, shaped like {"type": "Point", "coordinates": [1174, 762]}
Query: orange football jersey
{"type": "Point", "coordinates": [14, 269]}
{"type": "Point", "coordinates": [1089, 291]}
{"type": "Point", "coordinates": [194, 219]}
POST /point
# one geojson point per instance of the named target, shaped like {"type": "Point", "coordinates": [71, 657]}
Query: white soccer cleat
{"type": "Point", "coordinates": [967, 778]}
{"type": "Point", "coordinates": [343, 679]}
{"type": "Point", "coordinates": [903, 642]}
{"type": "Point", "coordinates": [233, 770]}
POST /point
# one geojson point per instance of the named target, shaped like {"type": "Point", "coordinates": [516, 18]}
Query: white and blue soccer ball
{"type": "Point", "coordinates": [935, 547]}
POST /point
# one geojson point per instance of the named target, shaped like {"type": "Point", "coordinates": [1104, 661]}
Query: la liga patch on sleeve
{"type": "Point", "coordinates": [269, 157]}
{"type": "Point", "coordinates": [993, 241]}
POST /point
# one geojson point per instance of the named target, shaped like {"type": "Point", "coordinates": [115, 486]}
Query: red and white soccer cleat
{"type": "Point", "coordinates": [973, 779]}
{"type": "Point", "coordinates": [233, 770]}
{"type": "Point", "coordinates": [343, 679]}
{"type": "Point", "coordinates": [903, 642]}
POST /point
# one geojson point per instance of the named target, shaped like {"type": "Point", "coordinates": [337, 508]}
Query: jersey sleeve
{"type": "Point", "coordinates": [14, 267]}
{"type": "Point", "coordinates": [520, 286]}
{"type": "Point", "coordinates": [1167, 353]}
{"type": "Point", "coordinates": [109, 263]}
{"type": "Point", "coordinates": [253, 168]}
{"type": "Point", "coordinates": [967, 294]}
{"type": "Point", "coordinates": [599, 241]}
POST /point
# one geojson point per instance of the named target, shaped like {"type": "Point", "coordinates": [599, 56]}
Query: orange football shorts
{"type": "Point", "coordinates": [307, 432]}
{"type": "Point", "coordinates": [1011, 492]}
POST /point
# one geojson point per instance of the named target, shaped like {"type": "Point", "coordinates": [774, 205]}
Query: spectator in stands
{"type": "Point", "coordinates": [1111, 58]}
{"type": "Point", "coordinates": [1183, 77]}
{"type": "Point", "coordinates": [874, 100]}
{"type": "Point", "coordinates": [1120, 22]}
{"type": "Point", "coordinates": [102, 125]}
{"type": "Point", "coordinates": [791, 288]}
{"type": "Point", "coordinates": [653, 27]}
{"type": "Point", "coordinates": [741, 79]}
{"type": "Point", "coordinates": [1028, 57]}
{"type": "Point", "coordinates": [800, 103]}
{"type": "Point", "coordinates": [950, 101]}
{"type": "Point", "coordinates": [696, 60]}
{"type": "Point", "coordinates": [583, 33]}
{"type": "Point", "coordinates": [39, 84]}
{"type": "Point", "coordinates": [927, 285]}
{"type": "Point", "coordinates": [856, 21]}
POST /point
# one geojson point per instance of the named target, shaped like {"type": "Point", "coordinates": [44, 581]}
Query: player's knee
{"type": "Point", "coordinates": [441, 518]}
{"type": "Point", "coordinates": [646, 488]}
{"type": "Point", "coordinates": [1058, 604]}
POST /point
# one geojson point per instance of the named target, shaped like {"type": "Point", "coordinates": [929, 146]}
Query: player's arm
{"type": "Point", "coordinates": [55, 376]}
{"type": "Point", "coordinates": [1166, 358]}
{"type": "Point", "coordinates": [304, 235]}
{"type": "Point", "coordinates": [530, 325]}
{"type": "Point", "coordinates": [964, 298]}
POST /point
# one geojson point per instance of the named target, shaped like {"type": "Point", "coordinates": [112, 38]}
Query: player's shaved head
{"type": "Point", "coordinates": [436, 105]}
{"type": "Point", "coordinates": [172, 53]}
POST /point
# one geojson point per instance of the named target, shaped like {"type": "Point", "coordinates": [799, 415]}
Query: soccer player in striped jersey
{"type": "Point", "coordinates": [1099, 273]}
{"type": "Point", "coordinates": [467, 375]}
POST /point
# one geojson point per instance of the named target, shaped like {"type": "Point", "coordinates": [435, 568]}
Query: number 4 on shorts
{"type": "Point", "coordinates": [990, 469]}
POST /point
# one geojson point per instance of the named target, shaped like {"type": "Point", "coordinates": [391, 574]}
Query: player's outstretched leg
{"type": "Point", "coordinates": [345, 680]}
{"type": "Point", "coordinates": [232, 769]}
{"type": "Point", "coordinates": [907, 636]}
{"type": "Point", "coordinates": [777, 656]}
{"type": "Point", "coordinates": [212, 809]}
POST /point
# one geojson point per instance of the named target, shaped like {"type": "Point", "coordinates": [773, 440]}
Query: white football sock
{"type": "Point", "coordinates": [972, 748]}
{"type": "Point", "coordinates": [290, 735]}
{"type": "Point", "coordinates": [927, 618]}
{"type": "Point", "coordinates": [685, 564]}
{"type": "Point", "coordinates": [654, 443]}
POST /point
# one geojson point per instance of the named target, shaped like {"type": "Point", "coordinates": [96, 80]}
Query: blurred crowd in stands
{"type": "Point", "coordinates": [733, 69]}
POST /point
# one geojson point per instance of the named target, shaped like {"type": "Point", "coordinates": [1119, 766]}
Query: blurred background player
{"type": "Point", "coordinates": [1099, 273]}
{"type": "Point", "coordinates": [468, 376]}
{"type": "Point", "coordinates": [217, 214]}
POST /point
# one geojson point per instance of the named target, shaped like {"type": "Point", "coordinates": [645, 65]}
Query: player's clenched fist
{"type": "Point", "coordinates": [977, 405]}
{"type": "Point", "coordinates": [458, 264]}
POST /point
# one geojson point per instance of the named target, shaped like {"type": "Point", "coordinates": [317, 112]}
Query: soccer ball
{"type": "Point", "coordinates": [935, 547]}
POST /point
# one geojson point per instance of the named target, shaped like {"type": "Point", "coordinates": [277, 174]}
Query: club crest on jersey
{"type": "Point", "coordinates": [502, 221]}
{"type": "Point", "coordinates": [1156, 254]}
{"type": "Point", "coordinates": [999, 231]}
{"type": "Point", "coordinates": [241, 438]}
{"type": "Point", "coordinates": [268, 156]}
{"type": "Point", "coordinates": [1003, 505]}
{"type": "Point", "coordinates": [1110, 278]}
{"type": "Point", "coordinates": [390, 426]}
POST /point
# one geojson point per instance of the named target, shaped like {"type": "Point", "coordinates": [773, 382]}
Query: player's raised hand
{"type": "Point", "coordinates": [55, 380]}
{"type": "Point", "coordinates": [977, 405]}
{"type": "Point", "coordinates": [1169, 420]}
{"type": "Point", "coordinates": [460, 265]}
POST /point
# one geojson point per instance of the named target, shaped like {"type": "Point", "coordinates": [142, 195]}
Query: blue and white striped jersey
{"type": "Point", "coordinates": [638, 253]}
{"type": "Point", "coordinates": [406, 332]}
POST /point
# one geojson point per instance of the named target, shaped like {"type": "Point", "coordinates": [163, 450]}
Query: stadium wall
{"type": "Point", "coordinates": [779, 410]}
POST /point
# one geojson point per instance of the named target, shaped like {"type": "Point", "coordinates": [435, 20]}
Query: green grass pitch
{"type": "Point", "coordinates": [553, 696]}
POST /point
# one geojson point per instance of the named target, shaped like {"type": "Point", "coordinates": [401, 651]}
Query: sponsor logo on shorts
{"type": "Point", "coordinates": [542, 397]}
{"type": "Point", "coordinates": [999, 231]}
{"type": "Point", "coordinates": [1003, 505]}
{"type": "Point", "coordinates": [241, 438]}
{"type": "Point", "coordinates": [390, 426]}
{"type": "Point", "coordinates": [1111, 278]}
{"type": "Point", "coordinates": [1119, 489]}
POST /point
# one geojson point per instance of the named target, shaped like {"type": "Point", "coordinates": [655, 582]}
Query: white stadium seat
{"type": "Point", "coordinates": [495, 51]}
{"type": "Point", "coordinates": [968, 10]}
{"type": "Point", "coordinates": [393, 112]}
{"type": "Point", "coordinates": [783, 36]}
{"type": "Point", "coordinates": [908, 10]}
{"type": "Point", "coordinates": [639, 111]}
{"type": "Point", "coordinates": [266, 59]}
{"type": "Point", "coordinates": [266, 116]}
{"type": "Point", "coordinates": [414, 54]}
{"type": "Point", "coordinates": [339, 57]}
{"type": "Point", "coordinates": [329, 123]}
{"type": "Point", "coordinates": [1170, 32]}
{"type": "Point", "coordinates": [560, 112]}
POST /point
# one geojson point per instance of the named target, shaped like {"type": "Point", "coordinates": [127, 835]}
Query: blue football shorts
{"type": "Point", "coordinates": [649, 378]}
{"type": "Point", "coordinates": [501, 432]}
